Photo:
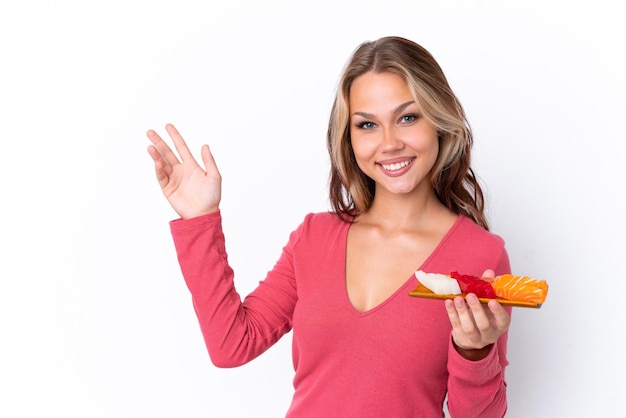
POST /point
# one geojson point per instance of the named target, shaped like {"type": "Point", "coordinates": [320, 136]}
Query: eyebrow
{"type": "Point", "coordinates": [396, 110]}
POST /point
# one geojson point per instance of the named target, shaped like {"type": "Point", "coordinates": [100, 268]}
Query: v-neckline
{"type": "Point", "coordinates": [410, 279]}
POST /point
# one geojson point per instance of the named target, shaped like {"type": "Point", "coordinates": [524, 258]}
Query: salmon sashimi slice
{"type": "Point", "coordinates": [520, 288]}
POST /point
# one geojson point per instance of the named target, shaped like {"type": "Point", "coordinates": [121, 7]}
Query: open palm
{"type": "Point", "coordinates": [191, 190]}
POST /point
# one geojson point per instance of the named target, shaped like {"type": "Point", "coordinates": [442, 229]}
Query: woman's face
{"type": "Point", "coordinates": [393, 143]}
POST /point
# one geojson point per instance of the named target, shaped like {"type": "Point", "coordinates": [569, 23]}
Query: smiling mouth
{"type": "Point", "coordinates": [396, 166]}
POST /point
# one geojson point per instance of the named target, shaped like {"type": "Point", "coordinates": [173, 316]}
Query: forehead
{"type": "Point", "coordinates": [378, 91]}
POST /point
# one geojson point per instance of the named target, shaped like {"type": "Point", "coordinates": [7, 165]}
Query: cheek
{"type": "Point", "coordinates": [436, 148]}
{"type": "Point", "coordinates": [428, 149]}
{"type": "Point", "coordinates": [434, 155]}
{"type": "Point", "coordinates": [430, 144]}
{"type": "Point", "coordinates": [362, 153]}
{"type": "Point", "coordinates": [361, 148]}
{"type": "Point", "coordinates": [365, 144]}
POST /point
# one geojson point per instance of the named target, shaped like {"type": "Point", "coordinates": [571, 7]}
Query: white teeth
{"type": "Point", "coordinates": [396, 166]}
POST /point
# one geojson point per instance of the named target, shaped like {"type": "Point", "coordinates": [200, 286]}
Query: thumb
{"type": "Point", "coordinates": [489, 274]}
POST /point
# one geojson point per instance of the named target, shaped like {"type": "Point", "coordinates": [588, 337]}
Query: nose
{"type": "Point", "coordinates": [390, 140]}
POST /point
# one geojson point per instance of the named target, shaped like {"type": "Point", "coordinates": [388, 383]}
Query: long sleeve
{"type": "Point", "coordinates": [235, 332]}
{"type": "Point", "coordinates": [478, 388]}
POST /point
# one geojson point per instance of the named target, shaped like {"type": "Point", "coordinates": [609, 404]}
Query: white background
{"type": "Point", "coordinates": [95, 319]}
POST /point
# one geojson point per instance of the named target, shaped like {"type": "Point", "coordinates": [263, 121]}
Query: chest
{"type": "Point", "coordinates": [404, 334]}
{"type": "Point", "coordinates": [377, 266]}
{"type": "Point", "coordinates": [329, 329]}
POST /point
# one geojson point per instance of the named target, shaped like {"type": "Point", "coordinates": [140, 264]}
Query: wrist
{"type": "Point", "coordinates": [473, 354]}
{"type": "Point", "coordinates": [197, 214]}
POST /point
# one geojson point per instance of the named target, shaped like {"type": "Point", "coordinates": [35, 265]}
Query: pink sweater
{"type": "Point", "coordinates": [395, 360]}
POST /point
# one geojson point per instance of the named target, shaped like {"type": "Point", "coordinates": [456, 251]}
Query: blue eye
{"type": "Point", "coordinates": [408, 118]}
{"type": "Point", "coordinates": [365, 125]}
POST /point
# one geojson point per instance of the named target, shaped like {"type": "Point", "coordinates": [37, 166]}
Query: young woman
{"type": "Point", "coordinates": [404, 198]}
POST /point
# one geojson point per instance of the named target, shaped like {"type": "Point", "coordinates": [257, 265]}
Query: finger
{"type": "Point", "coordinates": [501, 317]}
{"type": "Point", "coordinates": [166, 153]}
{"type": "Point", "coordinates": [452, 313]}
{"type": "Point", "coordinates": [465, 317]}
{"type": "Point", "coordinates": [479, 313]}
{"type": "Point", "coordinates": [158, 158]}
{"type": "Point", "coordinates": [160, 167]}
{"type": "Point", "coordinates": [209, 162]}
{"type": "Point", "coordinates": [464, 332]}
{"type": "Point", "coordinates": [179, 143]}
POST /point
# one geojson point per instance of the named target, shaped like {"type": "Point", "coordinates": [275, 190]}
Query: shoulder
{"type": "Point", "coordinates": [469, 247]}
{"type": "Point", "coordinates": [469, 233]}
{"type": "Point", "coordinates": [322, 223]}
{"type": "Point", "coordinates": [318, 219]}
{"type": "Point", "coordinates": [320, 226]}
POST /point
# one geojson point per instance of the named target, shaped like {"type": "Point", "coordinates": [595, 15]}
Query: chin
{"type": "Point", "coordinates": [401, 190]}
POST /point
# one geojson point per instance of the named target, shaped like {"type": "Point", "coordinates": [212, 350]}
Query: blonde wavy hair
{"type": "Point", "coordinates": [456, 186]}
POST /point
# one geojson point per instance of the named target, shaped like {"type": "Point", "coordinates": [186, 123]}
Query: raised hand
{"type": "Point", "coordinates": [475, 326]}
{"type": "Point", "coordinates": [191, 190]}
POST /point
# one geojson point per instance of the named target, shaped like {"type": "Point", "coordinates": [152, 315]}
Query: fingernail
{"type": "Point", "coordinates": [471, 298]}
{"type": "Point", "coordinates": [458, 302]}
{"type": "Point", "coordinates": [494, 305]}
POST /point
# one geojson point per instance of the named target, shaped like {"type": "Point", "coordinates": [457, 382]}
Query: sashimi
{"type": "Point", "coordinates": [472, 284]}
{"type": "Point", "coordinates": [438, 283]}
{"type": "Point", "coordinates": [520, 288]}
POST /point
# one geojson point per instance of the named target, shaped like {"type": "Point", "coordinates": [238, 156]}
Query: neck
{"type": "Point", "coordinates": [405, 211]}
